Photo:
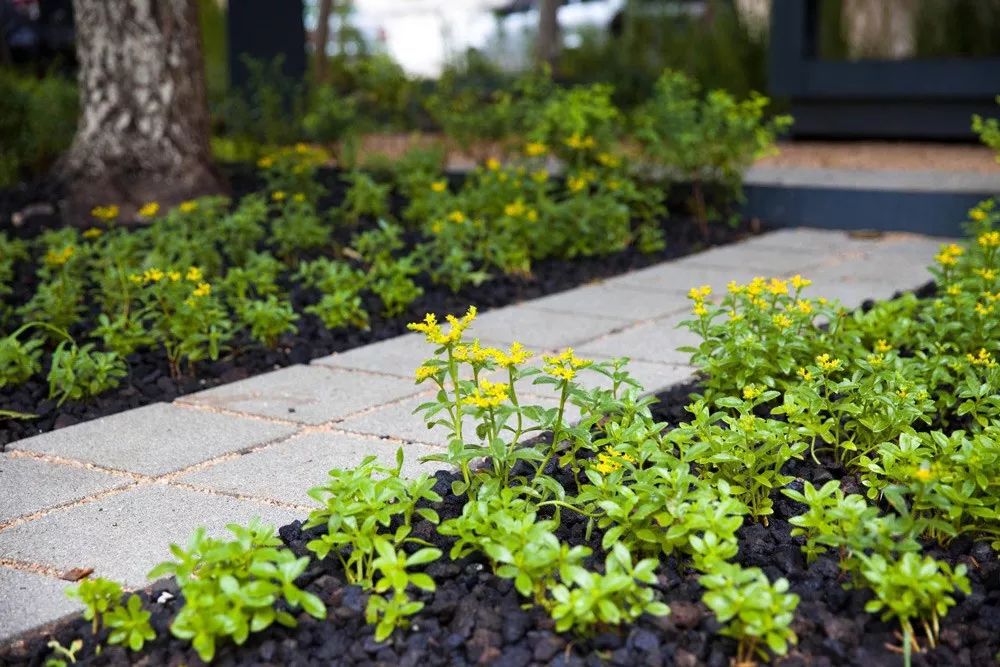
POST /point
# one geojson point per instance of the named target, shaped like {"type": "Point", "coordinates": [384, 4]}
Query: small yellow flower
{"type": "Point", "coordinates": [193, 274]}
{"type": "Point", "coordinates": [576, 183]}
{"type": "Point", "coordinates": [439, 186]}
{"type": "Point", "coordinates": [432, 330]}
{"type": "Point", "coordinates": [105, 213]}
{"type": "Point", "coordinates": [514, 210]}
{"type": "Point", "coordinates": [136, 278]}
{"type": "Point", "coordinates": [608, 160]}
{"type": "Point", "coordinates": [882, 346]}
{"type": "Point", "coordinates": [278, 195]}
{"type": "Point", "coordinates": [149, 210]}
{"type": "Point", "coordinates": [540, 176]}
{"type": "Point", "coordinates": [425, 372]}
{"type": "Point", "coordinates": [953, 290]}
{"type": "Point", "coordinates": [805, 374]}
{"type": "Point", "coordinates": [734, 287]}
{"type": "Point", "coordinates": [535, 148]}
{"type": "Point", "coordinates": [516, 355]}
{"type": "Point", "coordinates": [188, 206]}
{"type": "Point", "coordinates": [203, 289]}
{"type": "Point", "coordinates": [564, 365]}
{"type": "Point", "coordinates": [777, 286]}
{"type": "Point", "coordinates": [437, 227]}
{"type": "Point", "coordinates": [607, 464]}
{"type": "Point", "coordinates": [152, 275]}
{"type": "Point", "coordinates": [752, 391]}
{"type": "Point", "coordinates": [983, 309]}
{"type": "Point", "coordinates": [803, 306]}
{"type": "Point", "coordinates": [299, 197]}
{"type": "Point", "coordinates": [826, 363]}
{"type": "Point", "coordinates": [488, 395]}
{"type": "Point", "coordinates": [876, 360]}
{"type": "Point", "coordinates": [949, 254]}
{"type": "Point", "coordinates": [798, 282]}
{"type": "Point", "coordinates": [265, 162]}
{"type": "Point", "coordinates": [92, 233]}
{"type": "Point", "coordinates": [923, 474]}
{"type": "Point", "coordinates": [457, 217]}
{"type": "Point", "coordinates": [493, 164]}
{"type": "Point", "coordinates": [579, 143]}
{"type": "Point", "coordinates": [699, 309]}
{"type": "Point", "coordinates": [977, 214]}
{"type": "Point", "coordinates": [989, 239]}
{"type": "Point", "coordinates": [173, 276]}
{"type": "Point", "coordinates": [982, 358]}
{"type": "Point", "coordinates": [59, 257]}
{"type": "Point", "coordinates": [986, 274]}
{"type": "Point", "coordinates": [781, 321]}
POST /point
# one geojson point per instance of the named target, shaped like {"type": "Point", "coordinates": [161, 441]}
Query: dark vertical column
{"type": "Point", "coordinates": [794, 40]}
{"type": "Point", "coordinates": [264, 30]}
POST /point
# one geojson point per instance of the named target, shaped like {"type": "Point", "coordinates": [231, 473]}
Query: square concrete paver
{"type": "Point", "coordinates": [804, 240]}
{"type": "Point", "coordinates": [396, 356]}
{"type": "Point", "coordinates": [155, 439]}
{"type": "Point", "coordinates": [540, 330]}
{"type": "Point", "coordinates": [287, 470]}
{"type": "Point", "coordinates": [306, 394]}
{"type": "Point", "coordinates": [676, 278]}
{"type": "Point", "coordinates": [398, 420]}
{"type": "Point", "coordinates": [773, 261]}
{"type": "Point", "coordinates": [655, 341]}
{"type": "Point", "coordinates": [608, 301]}
{"type": "Point", "coordinates": [29, 485]}
{"type": "Point", "coordinates": [28, 600]}
{"type": "Point", "coordinates": [124, 535]}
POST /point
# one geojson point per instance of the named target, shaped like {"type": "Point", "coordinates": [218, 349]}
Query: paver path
{"type": "Point", "coordinates": [113, 493]}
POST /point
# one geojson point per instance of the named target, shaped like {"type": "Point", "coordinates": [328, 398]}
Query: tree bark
{"type": "Point", "coordinates": [143, 132]}
{"type": "Point", "coordinates": [322, 37]}
{"type": "Point", "coordinates": [547, 46]}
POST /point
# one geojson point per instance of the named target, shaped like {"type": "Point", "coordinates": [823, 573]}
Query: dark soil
{"type": "Point", "coordinates": [475, 617]}
{"type": "Point", "coordinates": [149, 379]}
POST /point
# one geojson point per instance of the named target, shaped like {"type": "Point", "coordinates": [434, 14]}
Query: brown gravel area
{"type": "Point", "coordinates": [884, 155]}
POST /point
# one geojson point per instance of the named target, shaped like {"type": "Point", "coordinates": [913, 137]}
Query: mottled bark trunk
{"type": "Point", "coordinates": [321, 39]}
{"type": "Point", "coordinates": [143, 133]}
{"type": "Point", "coordinates": [547, 46]}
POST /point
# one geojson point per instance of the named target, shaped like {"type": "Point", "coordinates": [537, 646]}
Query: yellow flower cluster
{"type": "Point", "coordinates": [777, 287]}
{"type": "Point", "coordinates": [576, 183]}
{"type": "Point", "coordinates": [59, 257]}
{"type": "Point", "coordinates": [279, 195]}
{"type": "Point", "coordinates": [805, 374]}
{"type": "Point", "coordinates": [610, 460]}
{"type": "Point", "coordinates": [203, 289]}
{"type": "Point", "coordinates": [488, 395]}
{"type": "Point", "coordinates": [803, 306]}
{"type": "Point", "coordinates": [265, 162]}
{"type": "Point", "coordinates": [882, 346]}
{"type": "Point", "coordinates": [92, 233]}
{"type": "Point", "coordinates": [105, 213]}
{"type": "Point", "coordinates": [752, 391]}
{"type": "Point", "coordinates": [457, 217]}
{"type": "Point", "coordinates": [798, 282]}
{"type": "Point", "coordinates": [698, 296]}
{"type": "Point", "coordinates": [876, 360]}
{"type": "Point", "coordinates": [565, 365]}
{"type": "Point", "coordinates": [517, 209]}
{"type": "Point", "coordinates": [989, 239]}
{"type": "Point", "coordinates": [189, 206]}
{"type": "Point", "coordinates": [609, 160]}
{"type": "Point", "coordinates": [149, 210]}
{"type": "Point", "coordinates": [949, 255]}
{"type": "Point", "coordinates": [983, 309]}
{"type": "Point", "coordinates": [493, 164]}
{"type": "Point", "coordinates": [439, 186]}
{"type": "Point", "coordinates": [424, 372]}
{"type": "Point", "coordinates": [580, 143]}
{"type": "Point", "coordinates": [826, 363]}
{"type": "Point", "coordinates": [986, 274]}
{"type": "Point", "coordinates": [540, 176]}
{"type": "Point", "coordinates": [155, 275]}
{"type": "Point", "coordinates": [432, 330]}
{"type": "Point", "coordinates": [982, 358]}
{"type": "Point", "coordinates": [535, 148]}
{"type": "Point", "coordinates": [781, 321]}
{"type": "Point", "coordinates": [923, 474]}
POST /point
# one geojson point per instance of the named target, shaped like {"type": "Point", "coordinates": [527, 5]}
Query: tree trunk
{"type": "Point", "coordinates": [547, 46]}
{"type": "Point", "coordinates": [143, 133]}
{"type": "Point", "coordinates": [322, 37]}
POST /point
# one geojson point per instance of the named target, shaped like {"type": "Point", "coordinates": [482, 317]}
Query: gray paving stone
{"type": "Point", "coordinates": [155, 439]}
{"type": "Point", "coordinates": [287, 470]}
{"type": "Point", "coordinates": [679, 277]}
{"type": "Point", "coordinates": [655, 341]}
{"type": "Point", "coordinates": [772, 261]}
{"type": "Point", "coordinates": [398, 420]}
{"type": "Point", "coordinates": [809, 240]}
{"type": "Point", "coordinates": [28, 600]}
{"type": "Point", "coordinates": [610, 301]}
{"type": "Point", "coordinates": [122, 536]}
{"type": "Point", "coordinates": [30, 485]}
{"type": "Point", "coordinates": [396, 356]}
{"type": "Point", "coordinates": [540, 330]}
{"type": "Point", "coordinates": [883, 268]}
{"type": "Point", "coordinates": [306, 394]}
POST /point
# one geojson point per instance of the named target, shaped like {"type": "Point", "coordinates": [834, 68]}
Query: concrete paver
{"type": "Point", "coordinates": [540, 330]}
{"type": "Point", "coordinates": [610, 301]}
{"type": "Point", "coordinates": [398, 356]}
{"type": "Point", "coordinates": [296, 465]}
{"type": "Point", "coordinates": [655, 341]}
{"type": "Point", "coordinates": [30, 485]}
{"type": "Point", "coordinates": [122, 536]}
{"type": "Point", "coordinates": [154, 439]}
{"type": "Point", "coordinates": [21, 591]}
{"type": "Point", "coordinates": [305, 394]}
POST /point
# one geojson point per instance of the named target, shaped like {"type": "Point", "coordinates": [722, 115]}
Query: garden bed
{"type": "Point", "coordinates": [149, 378]}
{"type": "Point", "coordinates": [475, 617]}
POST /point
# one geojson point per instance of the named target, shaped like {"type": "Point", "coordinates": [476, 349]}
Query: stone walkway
{"type": "Point", "coordinates": [113, 493]}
